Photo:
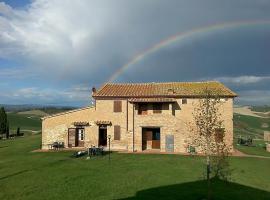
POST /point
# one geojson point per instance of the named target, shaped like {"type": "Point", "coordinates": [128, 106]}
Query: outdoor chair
{"type": "Point", "coordinates": [191, 150]}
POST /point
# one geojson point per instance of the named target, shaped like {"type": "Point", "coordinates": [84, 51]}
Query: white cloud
{"type": "Point", "coordinates": [242, 80]}
{"type": "Point", "coordinates": [254, 97]}
{"type": "Point", "coordinates": [76, 95]}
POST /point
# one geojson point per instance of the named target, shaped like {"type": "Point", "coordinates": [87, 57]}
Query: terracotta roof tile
{"type": "Point", "coordinates": [167, 89]}
{"type": "Point", "coordinates": [134, 100]}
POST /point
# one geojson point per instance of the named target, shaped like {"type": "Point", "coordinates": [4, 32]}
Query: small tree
{"type": "Point", "coordinates": [7, 131]}
{"type": "Point", "coordinates": [18, 131]}
{"type": "Point", "coordinates": [207, 134]}
{"type": "Point", "coordinates": [3, 121]}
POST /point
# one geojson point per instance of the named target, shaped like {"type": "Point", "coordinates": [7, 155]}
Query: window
{"type": "Point", "coordinates": [81, 134]}
{"type": "Point", "coordinates": [157, 108]}
{"type": "Point", "coordinates": [142, 110]}
{"type": "Point", "coordinates": [184, 101]}
{"type": "Point", "coordinates": [156, 136]}
{"type": "Point", "coordinates": [117, 132]}
{"type": "Point", "coordinates": [117, 106]}
{"type": "Point", "coordinates": [219, 135]}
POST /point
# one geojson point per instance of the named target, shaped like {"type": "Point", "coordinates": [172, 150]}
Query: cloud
{"type": "Point", "coordinates": [253, 97]}
{"type": "Point", "coordinates": [243, 79]}
{"type": "Point", "coordinates": [68, 46]}
{"type": "Point", "coordinates": [76, 95]}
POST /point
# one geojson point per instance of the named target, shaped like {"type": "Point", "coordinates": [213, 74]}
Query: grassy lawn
{"type": "Point", "coordinates": [56, 175]}
{"type": "Point", "coordinates": [258, 149]}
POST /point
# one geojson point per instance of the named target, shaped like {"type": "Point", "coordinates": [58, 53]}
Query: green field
{"type": "Point", "coordinates": [258, 149]}
{"type": "Point", "coordinates": [260, 108]}
{"type": "Point", "coordinates": [250, 126]}
{"type": "Point", "coordinates": [57, 175]}
{"type": "Point", "coordinates": [24, 121]}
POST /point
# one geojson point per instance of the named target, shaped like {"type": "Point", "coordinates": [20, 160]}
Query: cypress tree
{"type": "Point", "coordinates": [3, 121]}
{"type": "Point", "coordinates": [18, 131]}
{"type": "Point", "coordinates": [7, 131]}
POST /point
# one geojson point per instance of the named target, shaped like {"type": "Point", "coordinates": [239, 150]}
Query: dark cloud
{"type": "Point", "coordinates": [85, 42]}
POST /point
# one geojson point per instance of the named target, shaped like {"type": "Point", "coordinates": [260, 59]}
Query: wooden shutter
{"type": "Point", "coordinates": [157, 108]}
{"type": "Point", "coordinates": [117, 106]}
{"type": "Point", "coordinates": [117, 132]}
{"type": "Point", "coordinates": [71, 137]}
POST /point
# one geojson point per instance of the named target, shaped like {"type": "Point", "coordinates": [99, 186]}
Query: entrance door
{"type": "Point", "coordinates": [71, 137]}
{"type": "Point", "coordinates": [102, 136]}
{"type": "Point", "coordinates": [150, 138]}
{"type": "Point", "coordinates": [156, 139]}
{"type": "Point", "coordinates": [169, 143]}
{"type": "Point", "coordinates": [80, 137]}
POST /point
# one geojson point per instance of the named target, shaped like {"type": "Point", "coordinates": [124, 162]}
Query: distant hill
{"type": "Point", "coordinates": [264, 109]}
{"type": "Point", "coordinates": [254, 127]}
{"type": "Point", "coordinates": [29, 107]}
{"type": "Point", "coordinates": [33, 112]}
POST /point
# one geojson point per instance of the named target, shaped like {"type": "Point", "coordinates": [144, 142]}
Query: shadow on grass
{"type": "Point", "coordinates": [14, 174]}
{"type": "Point", "coordinates": [198, 190]}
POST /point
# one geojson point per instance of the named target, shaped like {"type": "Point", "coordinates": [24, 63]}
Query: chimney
{"type": "Point", "coordinates": [93, 90]}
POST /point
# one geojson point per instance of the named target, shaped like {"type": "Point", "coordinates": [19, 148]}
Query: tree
{"type": "Point", "coordinates": [207, 134]}
{"type": "Point", "coordinates": [7, 131]}
{"type": "Point", "coordinates": [3, 121]}
{"type": "Point", "coordinates": [18, 131]}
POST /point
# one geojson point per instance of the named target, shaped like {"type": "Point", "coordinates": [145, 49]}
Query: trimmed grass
{"type": "Point", "coordinates": [56, 175]}
{"type": "Point", "coordinates": [258, 149]}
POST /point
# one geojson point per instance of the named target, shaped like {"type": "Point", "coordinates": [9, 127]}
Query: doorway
{"type": "Point", "coordinates": [150, 138]}
{"type": "Point", "coordinates": [102, 136]}
{"type": "Point", "coordinates": [76, 137]}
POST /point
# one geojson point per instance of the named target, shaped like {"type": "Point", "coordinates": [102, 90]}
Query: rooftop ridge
{"type": "Point", "coordinates": [173, 82]}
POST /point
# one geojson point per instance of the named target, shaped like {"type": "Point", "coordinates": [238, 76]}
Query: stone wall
{"type": "Point", "coordinates": [175, 120]}
{"type": "Point", "coordinates": [55, 127]}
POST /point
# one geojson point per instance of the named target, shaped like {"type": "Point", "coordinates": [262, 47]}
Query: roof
{"type": "Point", "coordinates": [164, 100]}
{"type": "Point", "coordinates": [166, 89]}
{"type": "Point", "coordinates": [66, 112]}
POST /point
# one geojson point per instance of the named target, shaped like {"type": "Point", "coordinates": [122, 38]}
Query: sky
{"type": "Point", "coordinates": [53, 52]}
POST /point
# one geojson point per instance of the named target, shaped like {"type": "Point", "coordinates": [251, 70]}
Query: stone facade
{"type": "Point", "coordinates": [173, 120]}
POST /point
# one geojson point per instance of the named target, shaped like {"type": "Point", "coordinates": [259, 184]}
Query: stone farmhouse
{"type": "Point", "coordinates": [137, 117]}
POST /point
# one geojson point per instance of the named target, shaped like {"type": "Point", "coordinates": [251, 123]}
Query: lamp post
{"type": "Point", "coordinates": [109, 137]}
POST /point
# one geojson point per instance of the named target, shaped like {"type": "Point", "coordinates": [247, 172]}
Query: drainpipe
{"type": "Point", "coordinates": [133, 127]}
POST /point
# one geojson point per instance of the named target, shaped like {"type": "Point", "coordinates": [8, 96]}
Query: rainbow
{"type": "Point", "coordinates": [181, 37]}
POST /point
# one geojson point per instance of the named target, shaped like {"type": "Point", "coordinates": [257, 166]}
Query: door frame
{"type": "Point", "coordinates": [147, 140]}
{"type": "Point", "coordinates": [105, 128]}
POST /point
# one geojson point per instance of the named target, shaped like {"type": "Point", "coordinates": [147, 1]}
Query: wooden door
{"type": "Point", "coordinates": [155, 144]}
{"type": "Point", "coordinates": [144, 140]}
{"type": "Point", "coordinates": [71, 137]}
{"type": "Point", "coordinates": [149, 135]}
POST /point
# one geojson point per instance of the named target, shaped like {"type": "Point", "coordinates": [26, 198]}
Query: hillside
{"type": "Point", "coordinates": [245, 125]}
{"type": "Point", "coordinates": [27, 123]}
{"type": "Point", "coordinates": [29, 120]}
{"type": "Point", "coordinates": [33, 112]}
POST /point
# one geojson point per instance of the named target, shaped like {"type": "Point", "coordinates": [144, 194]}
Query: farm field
{"type": "Point", "coordinates": [24, 121]}
{"type": "Point", "coordinates": [29, 121]}
{"type": "Point", "coordinates": [57, 175]}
